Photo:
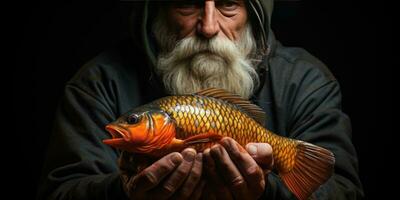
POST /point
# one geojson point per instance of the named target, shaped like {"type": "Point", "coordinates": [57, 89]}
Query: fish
{"type": "Point", "coordinates": [202, 119]}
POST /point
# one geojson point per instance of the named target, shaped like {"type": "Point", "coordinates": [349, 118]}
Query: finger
{"type": "Point", "coordinates": [155, 173]}
{"type": "Point", "coordinates": [262, 154]}
{"type": "Point", "coordinates": [215, 188]}
{"type": "Point", "coordinates": [230, 173]}
{"type": "Point", "coordinates": [172, 183]}
{"type": "Point", "coordinates": [187, 188]}
{"type": "Point", "coordinates": [247, 166]}
{"type": "Point", "coordinates": [196, 194]}
{"type": "Point", "coordinates": [208, 193]}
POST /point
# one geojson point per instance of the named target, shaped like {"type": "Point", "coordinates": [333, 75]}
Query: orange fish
{"type": "Point", "coordinates": [200, 120]}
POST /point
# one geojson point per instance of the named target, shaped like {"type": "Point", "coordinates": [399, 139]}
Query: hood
{"type": "Point", "coordinates": [260, 12]}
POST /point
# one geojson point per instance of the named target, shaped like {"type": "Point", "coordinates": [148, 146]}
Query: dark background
{"type": "Point", "coordinates": [354, 38]}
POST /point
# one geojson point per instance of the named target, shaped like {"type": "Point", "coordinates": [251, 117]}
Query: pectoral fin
{"type": "Point", "coordinates": [202, 138]}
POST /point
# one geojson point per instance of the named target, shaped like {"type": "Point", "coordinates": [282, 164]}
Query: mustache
{"type": "Point", "coordinates": [189, 47]}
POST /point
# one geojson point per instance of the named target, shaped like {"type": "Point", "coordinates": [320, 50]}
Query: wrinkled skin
{"type": "Point", "coordinates": [208, 19]}
{"type": "Point", "coordinates": [232, 173]}
{"type": "Point", "coordinates": [176, 175]}
{"type": "Point", "coordinates": [225, 171]}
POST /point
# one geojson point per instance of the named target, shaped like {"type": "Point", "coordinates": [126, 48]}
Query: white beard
{"type": "Point", "coordinates": [193, 64]}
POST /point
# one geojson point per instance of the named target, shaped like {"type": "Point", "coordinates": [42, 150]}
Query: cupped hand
{"type": "Point", "coordinates": [233, 172]}
{"type": "Point", "coordinates": [176, 175]}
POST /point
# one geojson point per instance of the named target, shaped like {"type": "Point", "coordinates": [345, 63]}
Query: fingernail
{"type": "Point", "coordinates": [252, 149]}
{"type": "Point", "coordinates": [207, 151]}
{"type": "Point", "coordinates": [189, 155]}
{"type": "Point", "coordinates": [176, 158]}
{"type": "Point", "coordinates": [199, 157]}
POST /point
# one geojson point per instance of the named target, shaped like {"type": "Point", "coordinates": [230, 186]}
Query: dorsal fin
{"type": "Point", "coordinates": [251, 109]}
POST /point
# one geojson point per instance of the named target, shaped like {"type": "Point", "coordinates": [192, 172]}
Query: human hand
{"type": "Point", "coordinates": [176, 175]}
{"type": "Point", "coordinates": [233, 173]}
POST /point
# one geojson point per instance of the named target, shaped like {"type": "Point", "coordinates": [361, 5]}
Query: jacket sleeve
{"type": "Point", "coordinates": [78, 165]}
{"type": "Point", "coordinates": [320, 120]}
{"type": "Point", "coordinates": [315, 116]}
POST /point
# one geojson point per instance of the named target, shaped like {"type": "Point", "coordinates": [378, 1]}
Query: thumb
{"type": "Point", "coordinates": [262, 154]}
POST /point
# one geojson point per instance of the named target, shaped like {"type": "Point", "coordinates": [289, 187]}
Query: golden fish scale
{"type": "Point", "coordinates": [197, 114]}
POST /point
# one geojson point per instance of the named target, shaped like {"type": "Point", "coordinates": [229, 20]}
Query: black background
{"type": "Point", "coordinates": [354, 38]}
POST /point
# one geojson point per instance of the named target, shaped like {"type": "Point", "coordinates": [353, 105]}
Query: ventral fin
{"type": "Point", "coordinates": [249, 108]}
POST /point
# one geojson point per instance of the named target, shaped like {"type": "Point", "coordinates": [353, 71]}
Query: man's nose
{"type": "Point", "coordinates": [208, 25]}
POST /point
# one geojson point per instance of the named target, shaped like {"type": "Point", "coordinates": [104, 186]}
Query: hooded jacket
{"type": "Point", "coordinates": [301, 97]}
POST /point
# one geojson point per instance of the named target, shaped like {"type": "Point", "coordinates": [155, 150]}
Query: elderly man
{"type": "Point", "coordinates": [181, 47]}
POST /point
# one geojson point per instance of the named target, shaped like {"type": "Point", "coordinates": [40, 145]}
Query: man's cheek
{"type": "Point", "coordinates": [184, 28]}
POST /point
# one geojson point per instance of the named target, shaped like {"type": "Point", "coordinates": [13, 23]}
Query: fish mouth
{"type": "Point", "coordinates": [118, 134]}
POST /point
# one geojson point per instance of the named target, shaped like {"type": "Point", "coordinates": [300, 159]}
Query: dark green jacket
{"type": "Point", "coordinates": [300, 96]}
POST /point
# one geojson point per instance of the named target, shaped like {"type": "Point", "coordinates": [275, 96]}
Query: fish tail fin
{"type": "Point", "coordinates": [313, 166]}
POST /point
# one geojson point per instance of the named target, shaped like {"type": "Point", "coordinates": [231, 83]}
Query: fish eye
{"type": "Point", "coordinates": [133, 119]}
